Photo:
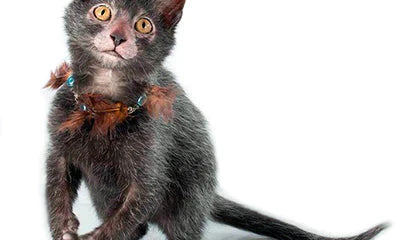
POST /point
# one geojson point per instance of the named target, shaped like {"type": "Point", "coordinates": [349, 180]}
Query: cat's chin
{"type": "Point", "coordinates": [110, 59]}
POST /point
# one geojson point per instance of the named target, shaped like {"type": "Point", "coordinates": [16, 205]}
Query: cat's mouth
{"type": "Point", "coordinates": [114, 54]}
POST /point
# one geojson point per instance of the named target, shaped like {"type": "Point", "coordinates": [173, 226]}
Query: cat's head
{"type": "Point", "coordinates": [135, 34]}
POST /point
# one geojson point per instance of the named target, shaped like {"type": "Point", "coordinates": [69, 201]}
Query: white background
{"type": "Point", "coordinates": [302, 99]}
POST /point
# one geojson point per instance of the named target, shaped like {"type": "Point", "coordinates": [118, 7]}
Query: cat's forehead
{"type": "Point", "coordinates": [128, 5]}
{"type": "Point", "coordinates": [132, 7]}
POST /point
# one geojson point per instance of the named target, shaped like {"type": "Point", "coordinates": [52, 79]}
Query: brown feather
{"type": "Point", "coordinates": [107, 114]}
{"type": "Point", "coordinates": [160, 102]}
{"type": "Point", "coordinates": [74, 121]}
{"type": "Point", "coordinates": [107, 121]}
{"type": "Point", "coordinates": [59, 77]}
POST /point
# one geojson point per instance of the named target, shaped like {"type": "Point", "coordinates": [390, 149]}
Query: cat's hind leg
{"type": "Point", "coordinates": [188, 226]}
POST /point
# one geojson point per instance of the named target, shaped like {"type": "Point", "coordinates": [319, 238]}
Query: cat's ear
{"type": "Point", "coordinates": [171, 11]}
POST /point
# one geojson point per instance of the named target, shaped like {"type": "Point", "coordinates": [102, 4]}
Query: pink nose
{"type": "Point", "coordinates": [118, 39]}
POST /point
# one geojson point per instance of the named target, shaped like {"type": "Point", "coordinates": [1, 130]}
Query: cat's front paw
{"type": "Point", "coordinates": [73, 224]}
{"type": "Point", "coordinates": [97, 234]}
{"type": "Point", "coordinates": [88, 236]}
{"type": "Point", "coordinates": [70, 236]}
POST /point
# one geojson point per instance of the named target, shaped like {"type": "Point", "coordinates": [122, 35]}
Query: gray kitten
{"type": "Point", "coordinates": [146, 169]}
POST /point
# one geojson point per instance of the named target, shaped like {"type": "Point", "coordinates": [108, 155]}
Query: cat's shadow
{"type": "Point", "coordinates": [214, 231]}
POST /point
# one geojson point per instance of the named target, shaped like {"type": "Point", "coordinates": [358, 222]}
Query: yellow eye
{"type": "Point", "coordinates": [102, 13]}
{"type": "Point", "coordinates": [144, 26]}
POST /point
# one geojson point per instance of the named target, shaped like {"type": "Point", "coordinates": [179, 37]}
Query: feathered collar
{"type": "Point", "coordinates": [105, 114]}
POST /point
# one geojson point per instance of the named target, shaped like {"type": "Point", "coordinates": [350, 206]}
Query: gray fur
{"type": "Point", "coordinates": [147, 170]}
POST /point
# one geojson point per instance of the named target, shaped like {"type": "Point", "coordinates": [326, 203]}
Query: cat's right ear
{"type": "Point", "coordinates": [171, 11]}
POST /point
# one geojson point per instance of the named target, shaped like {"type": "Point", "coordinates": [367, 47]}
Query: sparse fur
{"type": "Point", "coordinates": [148, 170]}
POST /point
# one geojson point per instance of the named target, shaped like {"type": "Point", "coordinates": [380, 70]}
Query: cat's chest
{"type": "Point", "coordinates": [99, 160]}
{"type": "Point", "coordinates": [104, 158]}
{"type": "Point", "coordinates": [106, 82]}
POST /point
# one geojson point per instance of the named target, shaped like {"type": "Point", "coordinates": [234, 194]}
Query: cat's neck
{"type": "Point", "coordinates": [107, 82]}
{"type": "Point", "coordinates": [116, 85]}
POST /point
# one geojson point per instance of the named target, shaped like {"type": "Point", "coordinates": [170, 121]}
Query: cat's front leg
{"type": "Point", "coordinates": [129, 221]}
{"type": "Point", "coordinates": [63, 181]}
{"type": "Point", "coordinates": [70, 229]}
{"type": "Point", "coordinates": [138, 234]}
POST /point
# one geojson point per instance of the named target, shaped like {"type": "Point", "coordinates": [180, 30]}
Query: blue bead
{"type": "Point", "coordinates": [83, 107]}
{"type": "Point", "coordinates": [71, 81]}
{"type": "Point", "coordinates": [142, 100]}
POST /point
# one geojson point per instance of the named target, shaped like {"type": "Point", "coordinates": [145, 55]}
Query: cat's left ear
{"type": "Point", "coordinates": [171, 11]}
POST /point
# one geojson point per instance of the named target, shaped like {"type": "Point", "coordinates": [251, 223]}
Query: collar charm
{"type": "Point", "coordinates": [70, 81]}
{"type": "Point", "coordinates": [104, 114]}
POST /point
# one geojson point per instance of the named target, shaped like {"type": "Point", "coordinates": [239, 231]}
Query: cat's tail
{"type": "Point", "coordinates": [233, 214]}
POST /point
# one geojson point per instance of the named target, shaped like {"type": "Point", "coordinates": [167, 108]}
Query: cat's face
{"type": "Point", "coordinates": [122, 33]}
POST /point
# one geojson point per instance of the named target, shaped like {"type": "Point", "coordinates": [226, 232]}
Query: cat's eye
{"type": "Point", "coordinates": [103, 13]}
{"type": "Point", "coordinates": [144, 26]}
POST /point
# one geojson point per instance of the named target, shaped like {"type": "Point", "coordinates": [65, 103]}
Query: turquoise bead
{"type": "Point", "coordinates": [71, 81]}
{"type": "Point", "coordinates": [142, 100]}
{"type": "Point", "coordinates": [84, 107]}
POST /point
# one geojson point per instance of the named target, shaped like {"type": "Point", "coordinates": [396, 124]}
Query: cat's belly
{"type": "Point", "coordinates": [106, 187]}
{"type": "Point", "coordinates": [105, 197]}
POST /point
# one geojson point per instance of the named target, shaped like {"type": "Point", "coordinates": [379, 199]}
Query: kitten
{"type": "Point", "coordinates": [146, 168]}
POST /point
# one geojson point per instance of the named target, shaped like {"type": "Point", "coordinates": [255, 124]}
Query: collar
{"type": "Point", "coordinates": [83, 106]}
{"type": "Point", "coordinates": [103, 114]}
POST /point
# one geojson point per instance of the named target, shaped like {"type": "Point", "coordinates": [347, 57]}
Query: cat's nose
{"type": "Point", "coordinates": [118, 39]}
